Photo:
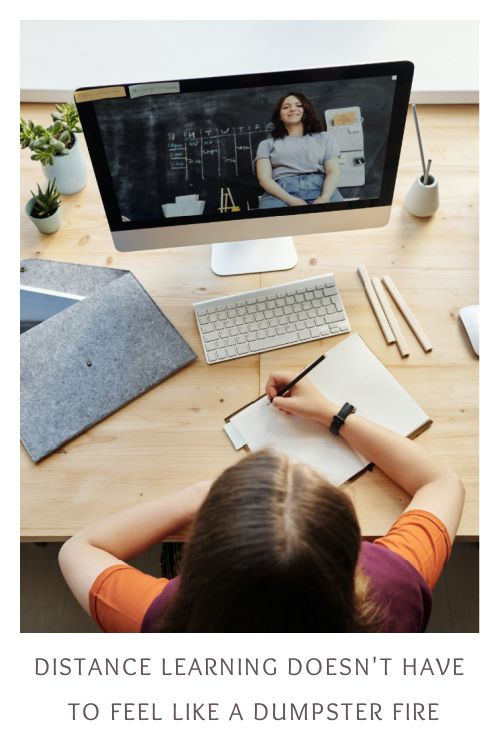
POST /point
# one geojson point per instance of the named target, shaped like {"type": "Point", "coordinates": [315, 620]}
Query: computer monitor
{"type": "Point", "coordinates": [236, 160]}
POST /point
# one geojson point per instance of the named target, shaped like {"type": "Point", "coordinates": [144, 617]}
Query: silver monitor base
{"type": "Point", "coordinates": [253, 256]}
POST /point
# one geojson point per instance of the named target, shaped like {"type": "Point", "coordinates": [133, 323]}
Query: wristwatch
{"type": "Point", "coordinates": [340, 418]}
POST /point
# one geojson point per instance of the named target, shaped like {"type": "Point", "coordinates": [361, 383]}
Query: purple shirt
{"type": "Point", "coordinates": [395, 585]}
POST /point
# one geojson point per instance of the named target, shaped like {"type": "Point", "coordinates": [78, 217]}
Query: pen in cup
{"type": "Point", "coordinates": [301, 375]}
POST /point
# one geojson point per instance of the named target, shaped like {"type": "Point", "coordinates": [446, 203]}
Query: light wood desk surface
{"type": "Point", "coordinates": [172, 436]}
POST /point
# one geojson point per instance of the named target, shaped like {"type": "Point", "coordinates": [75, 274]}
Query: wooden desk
{"type": "Point", "coordinates": [173, 436]}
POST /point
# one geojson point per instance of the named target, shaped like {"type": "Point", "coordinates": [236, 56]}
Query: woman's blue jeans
{"type": "Point", "coordinates": [305, 186]}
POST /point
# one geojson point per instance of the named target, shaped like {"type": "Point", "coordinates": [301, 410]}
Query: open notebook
{"type": "Point", "coordinates": [350, 372]}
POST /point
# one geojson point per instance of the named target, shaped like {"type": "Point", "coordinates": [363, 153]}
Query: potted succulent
{"type": "Point", "coordinates": [57, 148]}
{"type": "Point", "coordinates": [44, 209]}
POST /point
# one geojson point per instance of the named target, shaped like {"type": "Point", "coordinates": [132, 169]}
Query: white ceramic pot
{"type": "Point", "coordinates": [49, 224]}
{"type": "Point", "coordinates": [69, 171]}
{"type": "Point", "coordinates": [423, 200]}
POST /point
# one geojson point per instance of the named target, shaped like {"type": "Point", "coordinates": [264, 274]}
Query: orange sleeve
{"type": "Point", "coordinates": [422, 539]}
{"type": "Point", "coordinates": [120, 597]}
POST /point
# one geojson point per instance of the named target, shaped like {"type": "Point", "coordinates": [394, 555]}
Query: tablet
{"type": "Point", "coordinates": [39, 304]}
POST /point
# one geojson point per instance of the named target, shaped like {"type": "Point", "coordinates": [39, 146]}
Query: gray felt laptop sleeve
{"type": "Point", "coordinates": [83, 364]}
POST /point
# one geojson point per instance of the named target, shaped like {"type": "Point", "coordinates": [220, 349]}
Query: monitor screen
{"type": "Point", "coordinates": [228, 149]}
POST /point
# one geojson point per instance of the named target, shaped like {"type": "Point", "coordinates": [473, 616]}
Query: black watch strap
{"type": "Point", "coordinates": [341, 417]}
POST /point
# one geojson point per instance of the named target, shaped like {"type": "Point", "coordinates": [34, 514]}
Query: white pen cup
{"type": "Point", "coordinates": [423, 200]}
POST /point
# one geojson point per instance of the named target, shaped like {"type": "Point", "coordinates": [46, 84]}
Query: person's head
{"type": "Point", "coordinates": [292, 109]}
{"type": "Point", "coordinates": [274, 549]}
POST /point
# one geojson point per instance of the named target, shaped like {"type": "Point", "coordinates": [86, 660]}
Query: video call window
{"type": "Point", "coordinates": [242, 152]}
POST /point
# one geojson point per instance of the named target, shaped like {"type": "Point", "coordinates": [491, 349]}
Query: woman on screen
{"type": "Point", "coordinates": [274, 546]}
{"type": "Point", "coordinates": [299, 163]}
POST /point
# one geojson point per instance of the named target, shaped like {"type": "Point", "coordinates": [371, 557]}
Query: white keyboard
{"type": "Point", "coordinates": [270, 318]}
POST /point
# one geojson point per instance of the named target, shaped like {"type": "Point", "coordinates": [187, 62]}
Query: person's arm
{"type": "Point", "coordinates": [264, 172]}
{"type": "Point", "coordinates": [433, 486]}
{"type": "Point", "coordinates": [332, 178]}
{"type": "Point", "coordinates": [125, 535]}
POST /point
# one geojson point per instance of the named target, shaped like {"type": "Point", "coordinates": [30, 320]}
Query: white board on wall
{"type": "Point", "coordinates": [445, 53]}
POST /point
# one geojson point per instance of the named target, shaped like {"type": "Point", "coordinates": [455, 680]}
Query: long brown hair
{"type": "Point", "coordinates": [274, 549]}
{"type": "Point", "coordinates": [310, 120]}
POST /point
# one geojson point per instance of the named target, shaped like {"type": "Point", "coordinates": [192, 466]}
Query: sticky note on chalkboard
{"type": "Point", "coordinates": [345, 118]}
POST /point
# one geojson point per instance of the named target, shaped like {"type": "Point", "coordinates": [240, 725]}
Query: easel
{"type": "Point", "coordinates": [225, 197]}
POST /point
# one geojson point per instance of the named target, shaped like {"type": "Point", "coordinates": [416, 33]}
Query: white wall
{"type": "Point", "coordinates": [445, 53]}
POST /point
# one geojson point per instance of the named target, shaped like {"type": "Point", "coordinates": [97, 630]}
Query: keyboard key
{"type": "Point", "coordinates": [242, 348]}
{"type": "Point", "coordinates": [231, 351]}
{"type": "Point", "coordinates": [304, 335]}
{"type": "Point", "coordinates": [211, 345]}
{"type": "Point", "coordinates": [212, 356]}
{"type": "Point", "coordinates": [221, 353]}
{"type": "Point", "coordinates": [208, 328]}
{"type": "Point", "coordinates": [211, 336]}
{"type": "Point", "coordinates": [289, 338]}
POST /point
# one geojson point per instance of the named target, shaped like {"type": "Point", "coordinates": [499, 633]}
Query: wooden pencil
{"type": "Point", "coordinates": [379, 313]}
{"type": "Point", "coordinates": [401, 342]}
{"type": "Point", "coordinates": [407, 313]}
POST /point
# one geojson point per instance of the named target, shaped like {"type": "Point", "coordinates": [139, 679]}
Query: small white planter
{"type": "Point", "coordinates": [423, 200]}
{"type": "Point", "coordinates": [69, 171]}
{"type": "Point", "coordinates": [50, 224]}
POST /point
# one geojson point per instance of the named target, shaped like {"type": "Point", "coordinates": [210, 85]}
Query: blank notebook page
{"type": "Point", "coordinates": [350, 372]}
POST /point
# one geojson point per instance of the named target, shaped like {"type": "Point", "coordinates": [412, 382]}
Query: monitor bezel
{"type": "Point", "coordinates": [403, 70]}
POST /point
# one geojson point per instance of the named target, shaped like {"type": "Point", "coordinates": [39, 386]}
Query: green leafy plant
{"type": "Point", "coordinates": [55, 140]}
{"type": "Point", "coordinates": [46, 201]}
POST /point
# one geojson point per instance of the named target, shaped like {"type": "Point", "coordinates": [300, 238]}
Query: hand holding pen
{"type": "Point", "coordinates": [300, 396]}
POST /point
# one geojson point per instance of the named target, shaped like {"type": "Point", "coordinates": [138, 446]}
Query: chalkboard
{"type": "Point", "coordinates": [162, 146]}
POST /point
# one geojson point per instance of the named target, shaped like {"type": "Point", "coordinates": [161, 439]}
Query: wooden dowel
{"type": "Point", "coordinates": [379, 313]}
{"type": "Point", "coordinates": [407, 313]}
{"type": "Point", "coordinates": [401, 342]}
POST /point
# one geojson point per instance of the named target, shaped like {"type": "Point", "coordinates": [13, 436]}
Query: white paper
{"type": "Point", "coordinates": [350, 372]}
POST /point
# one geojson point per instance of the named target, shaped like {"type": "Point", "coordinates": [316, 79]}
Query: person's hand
{"type": "Point", "coordinates": [321, 199]}
{"type": "Point", "coordinates": [293, 201]}
{"type": "Point", "coordinates": [303, 399]}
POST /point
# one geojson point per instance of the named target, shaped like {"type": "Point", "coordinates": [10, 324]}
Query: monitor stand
{"type": "Point", "coordinates": [253, 256]}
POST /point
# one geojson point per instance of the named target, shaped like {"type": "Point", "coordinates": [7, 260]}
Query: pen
{"type": "Point", "coordinates": [302, 374]}
{"type": "Point", "coordinates": [415, 117]}
{"type": "Point", "coordinates": [427, 170]}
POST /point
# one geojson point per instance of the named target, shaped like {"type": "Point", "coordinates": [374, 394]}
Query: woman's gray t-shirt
{"type": "Point", "coordinates": [298, 154]}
